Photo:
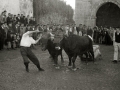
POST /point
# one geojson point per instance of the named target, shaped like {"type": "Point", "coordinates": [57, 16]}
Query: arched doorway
{"type": "Point", "coordinates": [108, 15]}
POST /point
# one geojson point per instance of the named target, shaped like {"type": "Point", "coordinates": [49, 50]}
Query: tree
{"type": "Point", "coordinates": [52, 11]}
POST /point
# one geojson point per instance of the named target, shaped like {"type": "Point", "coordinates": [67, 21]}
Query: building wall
{"type": "Point", "coordinates": [85, 10]}
{"type": "Point", "coordinates": [17, 6]}
{"type": "Point", "coordinates": [11, 6]}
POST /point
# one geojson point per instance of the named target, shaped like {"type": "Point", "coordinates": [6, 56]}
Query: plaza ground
{"type": "Point", "coordinates": [101, 75]}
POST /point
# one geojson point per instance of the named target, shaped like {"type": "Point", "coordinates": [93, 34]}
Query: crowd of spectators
{"type": "Point", "coordinates": [13, 26]}
{"type": "Point", "coordinates": [101, 35]}
{"type": "Point", "coordinates": [104, 35]}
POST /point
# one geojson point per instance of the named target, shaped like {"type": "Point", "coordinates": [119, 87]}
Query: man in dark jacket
{"type": "Point", "coordinates": [22, 19]}
{"type": "Point", "coordinates": [116, 43]}
{"type": "Point", "coordinates": [2, 36]}
{"type": "Point", "coordinates": [18, 18]}
{"type": "Point", "coordinates": [9, 18]}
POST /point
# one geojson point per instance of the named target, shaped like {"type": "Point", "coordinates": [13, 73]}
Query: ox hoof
{"type": "Point", "coordinates": [57, 67]}
{"type": "Point", "coordinates": [74, 69]}
{"type": "Point", "coordinates": [100, 58]}
{"type": "Point", "coordinates": [51, 59]}
{"type": "Point", "coordinates": [86, 63]}
{"type": "Point", "coordinates": [69, 66]}
{"type": "Point", "coordinates": [67, 70]}
{"type": "Point", "coordinates": [95, 63]}
{"type": "Point", "coordinates": [62, 64]}
{"type": "Point", "coordinates": [54, 64]}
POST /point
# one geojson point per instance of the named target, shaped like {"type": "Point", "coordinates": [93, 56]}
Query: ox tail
{"type": "Point", "coordinates": [91, 46]}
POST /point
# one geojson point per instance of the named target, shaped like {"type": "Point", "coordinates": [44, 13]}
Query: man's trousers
{"type": "Point", "coordinates": [116, 50]}
{"type": "Point", "coordinates": [28, 54]}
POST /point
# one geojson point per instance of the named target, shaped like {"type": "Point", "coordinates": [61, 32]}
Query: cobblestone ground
{"type": "Point", "coordinates": [101, 75]}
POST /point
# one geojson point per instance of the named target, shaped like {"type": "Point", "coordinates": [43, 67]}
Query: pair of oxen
{"type": "Point", "coordinates": [73, 45]}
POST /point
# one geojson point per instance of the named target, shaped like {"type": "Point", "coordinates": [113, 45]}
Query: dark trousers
{"type": "Point", "coordinates": [28, 54]}
{"type": "Point", "coordinates": [1, 44]}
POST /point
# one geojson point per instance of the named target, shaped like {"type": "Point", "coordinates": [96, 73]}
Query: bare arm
{"type": "Point", "coordinates": [38, 39]}
{"type": "Point", "coordinates": [114, 36]}
{"type": "Point", "coordinates": [30, 32]}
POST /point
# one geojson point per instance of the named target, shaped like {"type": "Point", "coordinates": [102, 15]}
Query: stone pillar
{"type": "Point", "coordinates": [93, 21]}
{"type": "Point", "coordinates": [88, 20]}
{"type": "Point", "coordinates": [79, 12]}
{"type": "Point", "coordinates": [82, 12]}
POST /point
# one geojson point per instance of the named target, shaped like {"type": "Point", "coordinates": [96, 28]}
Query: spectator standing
{"type": "Point", "coordinates": [27, 20]}
{"type": "Point", "coordinates": [31, 21]}
{"type": "Point", "coordinates": [74, 29]}
{"type": "Point", "coordinates": [2, 36]}
{"type": "Point", "coordinates": [9, 19]}
{"type": "Point", "coordinates": [100, 35]}
{"type": "Point", "coordinates": [10, 27]}
{"type": "Point", "coordinates": [79, 30]}
{"type": "Point", "coordinates": [45, 28]}
{"type": "Point", "coordinates": [18, 38]}
{"type": "Point", "coordinates": [6, 28]}
{"type": "Point", "coordinates": [116, 40]}
{"type": "Point", "coordinates": [3, 17]}
{"type": "Point", "coordinates": [18, 18]}
{"type": "Point", "coordinates": [34, 21]}
{"type": "Point", "coordinates": [108, 40]}
{"type": "Point", "coordinates": [22, 19]}
{"type": "Point", "coordinates": [84, 30]}
{"type": "Point", "coordinates": [13, 39]}
{"type": "Point", "coordinates": [22, 29]}
{"type": "Point", "coordinates": [14, 18]}
{"type": "Point", "coordinates": [17, 28]}
{"type": "Point", "coordinates": [90, 31]}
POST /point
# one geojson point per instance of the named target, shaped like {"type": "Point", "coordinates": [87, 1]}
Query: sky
{"type": "Point", "coordinates": [71, 2]}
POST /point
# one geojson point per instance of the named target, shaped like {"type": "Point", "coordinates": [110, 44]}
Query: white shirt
{"type": "Point", "coordinates": [70, 29]}
{"type": "Point", "coordinates": [26, 40]}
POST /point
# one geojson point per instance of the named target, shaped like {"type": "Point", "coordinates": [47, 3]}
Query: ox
{"type": "Point", "coordinates": [49, 43]}
{"type": "Point", "coordinates": [75, 45]}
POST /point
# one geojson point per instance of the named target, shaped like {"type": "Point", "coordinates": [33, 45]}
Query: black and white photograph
{"type": "Point", "coordinates": [59, 44]}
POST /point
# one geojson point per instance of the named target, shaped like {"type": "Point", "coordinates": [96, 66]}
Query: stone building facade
{"type": "Point", "coordinates": [86, 10]}
{"type": "Point", "coordinates": [17, 6]}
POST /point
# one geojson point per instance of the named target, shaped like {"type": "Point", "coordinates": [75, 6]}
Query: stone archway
{"type": "Point", "coordinates": [96, 7]}
{"type": "Point", "coordinates": [108, 15]}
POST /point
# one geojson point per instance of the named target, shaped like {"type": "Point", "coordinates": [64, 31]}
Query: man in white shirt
{"type": "Point", "coordinates": [25, 49]}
